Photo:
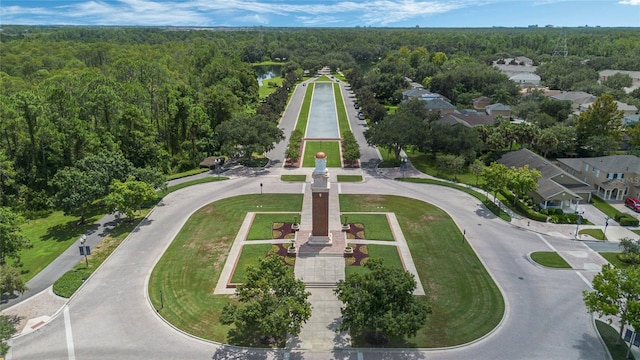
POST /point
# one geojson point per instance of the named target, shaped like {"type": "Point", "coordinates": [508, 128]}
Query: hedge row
{"type": "Point", "coordinates": [625, 219]}
{"type": "Point", "coordinates": [524, 209]}
{"type": "Point", "coordinates": [293, 149]}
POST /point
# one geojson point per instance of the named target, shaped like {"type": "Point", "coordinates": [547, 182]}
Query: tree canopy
{"type": "Point", "coordinates": [381, 302]}
{"type": "Point", "coordinates": [272, 304]}
{"type": "Point", "coordinates": [616, 292]}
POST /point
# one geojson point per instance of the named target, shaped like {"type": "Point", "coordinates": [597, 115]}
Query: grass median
{"type": "Point", "coordinates": [466, 302]}
{"type": "Point", "coordinates": [188, 271]}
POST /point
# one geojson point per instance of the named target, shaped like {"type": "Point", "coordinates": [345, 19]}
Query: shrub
{"type": "Point", "coordinates": [628, 221]}
{"type": "Point", "coordinates": [68, 283]}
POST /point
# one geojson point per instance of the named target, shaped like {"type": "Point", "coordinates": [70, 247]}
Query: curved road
{"type": "Point", "coordinates": [110, 317]}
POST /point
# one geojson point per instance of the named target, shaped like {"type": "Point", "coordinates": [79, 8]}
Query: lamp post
{"type": "Point", "coordinates": [579, 221]}
{"type": "Point", "coordinates": [606, 223]}
{"type": "Point", "coordinates": [85, 249]}
{"type": "Point", "coordinates": [403, 166]}
{"type": "Point", "coordinates": [260, 188]}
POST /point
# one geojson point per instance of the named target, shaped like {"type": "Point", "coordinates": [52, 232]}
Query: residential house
{"type": "Point", "coordinates": [481, 103]}
{"type": "Point", "coordinates": [438, 105]}
{"type": "Point", "coordinates": [499, 109]}
{"type": "Point", "coordinates": [526, 79]}
{"type": "Point", "coordinates": [421, 94]}
{"type": "Point", "coordinates": [634, 75]}
{"type": "Point", "coordinates": [556, 188]}
{"type": "Point", "coordinates": [576, 98]}
{"type": "Point", "coordinates": [514, 66]}
{"type": "Point", "coordinates": [468, 118]}
{"type": "Point", "coordinates": [412, 84]}
{"type": "Point", "coordinates": [625, 108]}
{"type": "Point", "coordinates": [613, 177]}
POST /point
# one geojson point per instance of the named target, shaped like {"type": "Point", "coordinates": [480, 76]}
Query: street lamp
{"type": "Point", "coordinates": [578, 221]}
{"type": "Point", "coordinates": [606, 223]}
{"type": "Point", "coordinates": [260, 188]}
{"type": "Point", "coordinates": [85, 249]}
{"type": "Point", "coordinates": [403, 166]}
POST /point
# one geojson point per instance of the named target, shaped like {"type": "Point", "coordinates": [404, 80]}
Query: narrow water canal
{"type": "Point", "coordinates": [323, 119]}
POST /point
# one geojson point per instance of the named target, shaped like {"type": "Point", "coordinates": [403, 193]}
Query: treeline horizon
{"type": "Point", "coordinates": [159, 97]}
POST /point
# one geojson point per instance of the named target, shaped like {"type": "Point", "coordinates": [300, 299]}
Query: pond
{"type": "Point", "coordinates": [265, 72]}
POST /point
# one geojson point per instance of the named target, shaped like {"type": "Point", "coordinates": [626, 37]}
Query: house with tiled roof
{"type": "Point", "coordinates": [613, 177]}
{"type": "Point", "coordinates": [557, 188]}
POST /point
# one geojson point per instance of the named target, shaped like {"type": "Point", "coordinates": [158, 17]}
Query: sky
{"type": "Point", "coordinates": [328, 13]}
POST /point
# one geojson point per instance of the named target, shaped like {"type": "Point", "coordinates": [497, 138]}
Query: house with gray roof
{"type": "Point", "coordinates": [499, 109]}
{"type": "Point", "coordinates": [438, 106]}
{"type": "Point", "coordinates": [613, 177]}
{"type": "Point", "coordinates": [634, 75]}
{"type": "Point", "coordinates": [576, 98]}
{"type": "Point", "coordinates": [625, 108]}
{"type": "Point", "coordinates": [557, 188]}
{"type": "Point", "coordinates": [468, 118]}
{"type": "Point", "coordinates": [526, 79]}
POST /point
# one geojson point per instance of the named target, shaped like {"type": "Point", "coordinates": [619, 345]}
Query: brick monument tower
{"type": "Point", "coordinates": [320, 202]}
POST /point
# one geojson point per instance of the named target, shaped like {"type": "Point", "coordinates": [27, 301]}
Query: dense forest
{"type": "Point", "coordinates": [159, 100]}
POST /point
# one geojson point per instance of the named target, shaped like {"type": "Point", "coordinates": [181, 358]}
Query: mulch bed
{"type": "Point", "coordinates": [359, 257]}
{"type": "Point", "coordinates": [281, 250]}
{"type": "Point", "coordinates": [356, 231]}
{"type": "Point", "coordinates": [283, 231]}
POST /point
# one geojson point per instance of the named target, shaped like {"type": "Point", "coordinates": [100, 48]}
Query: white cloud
{"type": "Point", "coordinates": [629, 2]}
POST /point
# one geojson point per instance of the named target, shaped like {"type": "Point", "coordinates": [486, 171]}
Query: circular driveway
{"type": "Point", "coordinates": [110, 316]}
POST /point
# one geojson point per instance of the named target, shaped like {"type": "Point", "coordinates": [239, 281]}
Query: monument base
{"type": "Point", "coordinates": [320, 240]}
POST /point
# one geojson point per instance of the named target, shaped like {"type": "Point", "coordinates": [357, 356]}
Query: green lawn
{"type": "Point", "coordinates": [250, 255]}
{"type": "Point", "coordinates": [343, 120]}
{"type": "Point", "coordinates": [266, 90]}
{"type": "Point", "coordinates": [262, 226]}
{"type": "Point", "coordinates": [388, 253]}
{"type": "Point", "coordinates": [594, 233]}
{"type": "Point", "coordinates": [301, 178]}
{"type": "Point", "coordinates": [465, 301]}
{"type": "Point", "coordinates": [349, 178]}
{"type": "Point", "coordinates": [550, 259]}
{"type": "Point", "coordinates": [427, 164]}
{"type": "Point", "coordinates": [69, 282]}
{"type": "Point", "coordinates": [331, 148]}
{"type": "Point", "coordinates": [303, 117]}
{"type": "Point", "coordinates": [50, 237]}
{"type": "Point", "coordinates": [603, 206]}
{"type": "Point", "coordinates": [323, 78]}
{"type": "Point", "coordinates": [612, 257]}
{"type": "Point", "coordinates": [485, 200]}
{"type": "Point", "coordinates": [610, 337]}
{"type": "Point", "coordinates": [376, 226]}
{"type": "Point", "coordinates": [187, 173]}
{"type": "Point", "coordinates": [188, 271]}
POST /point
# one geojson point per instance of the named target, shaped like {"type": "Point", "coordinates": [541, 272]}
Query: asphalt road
{"type": "Point", "coordinates": [110, 317]}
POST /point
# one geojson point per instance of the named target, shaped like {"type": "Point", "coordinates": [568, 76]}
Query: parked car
{"type": "Point", "coordinates": [632, 203]}
{"type": "Point", "coordinates": [360, 116]}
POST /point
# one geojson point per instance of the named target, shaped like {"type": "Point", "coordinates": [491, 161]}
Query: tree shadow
{"type": "Point", "coordinates": [236, 353]}
{"type": "Point", "coordinates": [69, 230]}
{"type": "Point", "coordinates": [589, 345]}
{"type": "Point", "coordinates": [396, 354]}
